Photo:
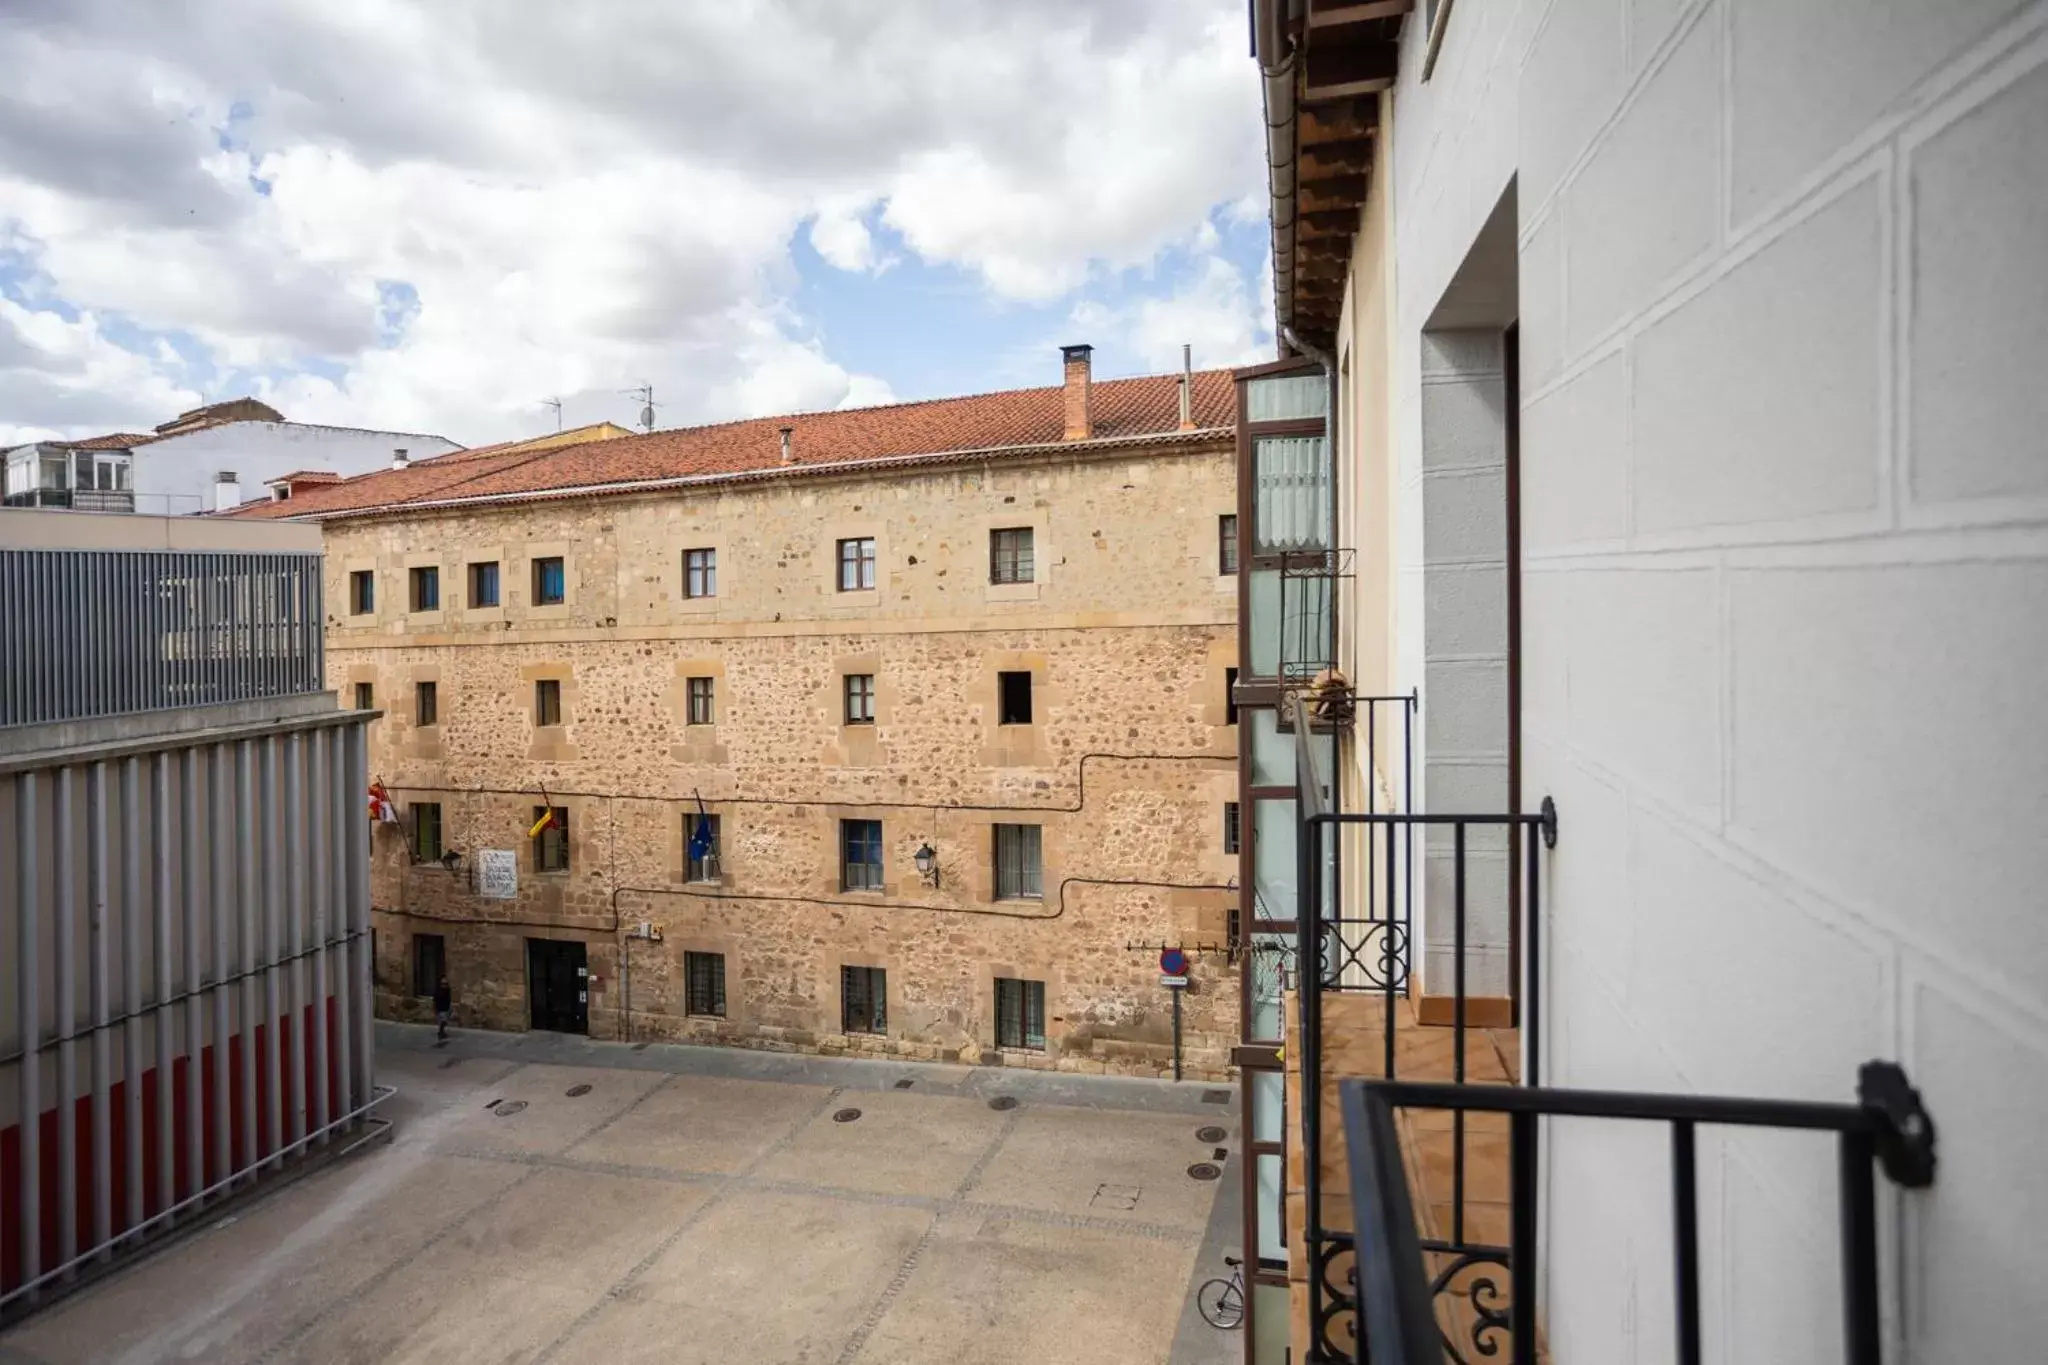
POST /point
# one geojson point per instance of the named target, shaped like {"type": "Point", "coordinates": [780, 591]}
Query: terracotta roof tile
{"type": "Point", "coordinates": [942, 428]}
{"type": "Point", "coordinates": [119, 440]}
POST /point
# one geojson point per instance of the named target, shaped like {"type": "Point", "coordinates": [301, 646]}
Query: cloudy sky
{"type": "Point", "coordinates": [431, 215]}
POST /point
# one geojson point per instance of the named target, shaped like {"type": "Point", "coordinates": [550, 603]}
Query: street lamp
{"type": "Point", "coordinates": [927, 859]}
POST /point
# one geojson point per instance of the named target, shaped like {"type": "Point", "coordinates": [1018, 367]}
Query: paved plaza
{"type": "Point", "coordinates": [552, 1199]}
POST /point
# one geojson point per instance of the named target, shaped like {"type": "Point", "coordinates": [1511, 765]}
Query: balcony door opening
{"type": "Point", "coordinates": [1469, 670]}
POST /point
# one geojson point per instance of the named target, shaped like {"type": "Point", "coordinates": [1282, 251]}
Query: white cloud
{"type": "Point", "coordinates": [63, 378]}
{"type": "Point", "coordinates": [1214, 310]}
{"type": "Point", "coordinates": [582, 201]}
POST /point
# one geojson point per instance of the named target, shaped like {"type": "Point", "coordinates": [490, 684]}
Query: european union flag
{"type": "Point", "coordinates": [701, 839]}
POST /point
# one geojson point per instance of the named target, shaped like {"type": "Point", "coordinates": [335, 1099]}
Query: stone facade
{"type": "Point", "coordinates": [1125, 766]}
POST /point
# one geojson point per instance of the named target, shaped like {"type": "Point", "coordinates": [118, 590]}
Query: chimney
{"type": "Point", "coordinates": [788, 455]}
{"type": "Point", "coordinates": [1079, 424]}
{"type": "Point", "coordinates": [399, 460]}
{"type": "Point", "coordinates": [227, 491]}
{"type": "Point", "coordinates": [1187, 388]}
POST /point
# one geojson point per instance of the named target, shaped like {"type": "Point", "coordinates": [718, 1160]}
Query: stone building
{"type": "Point", "coordinates": [989, 636]}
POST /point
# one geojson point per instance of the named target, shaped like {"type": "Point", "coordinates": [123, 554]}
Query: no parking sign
{"type": "Point", "coordinates": [1173, 967]}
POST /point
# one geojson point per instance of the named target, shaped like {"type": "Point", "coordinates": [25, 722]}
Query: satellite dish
{"type": "Point", "coordinates": [647, 417]}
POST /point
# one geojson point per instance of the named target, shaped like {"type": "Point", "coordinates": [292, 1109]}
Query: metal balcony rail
{"type": "Point", "coordinates": [89, 633]}
{"type": "Point", "coordinates": [75, 499]}
{"type": "Point", "coordinates": [1397, 1294]}
{"type": "Point", "coordinates": [1374, 953]}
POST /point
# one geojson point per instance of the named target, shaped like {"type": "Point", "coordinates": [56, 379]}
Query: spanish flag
{"type": "Point", "coordinates": [546, 821]}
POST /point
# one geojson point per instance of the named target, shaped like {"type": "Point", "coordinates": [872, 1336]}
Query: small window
{"type": "Point", "coordinates": [1020, 1013]}
{"type": "Point", "coordinates": [547, 702]}
{"type": "Point", "coordinates": [1009, 555]}
{"type": "Point", "coordinates": [429, 963]}
{"type": "Point", "coordinates": [863, 1000]}
{"type": "Point", "coordinates": [426, 589]}
{"type": "Point", "coordinates": [1230, 696]}
{"type": "Point", "coordinates": [857, 564]}
{"type": "Point", "coordinates": [1226, 544]}
{"type": "Point", "coordinates": [550, 584]}
{"type": "Point", "coordinates": [426, 704]}
{"type": "Point", "coordinates": [704, 991]}
{"type": "Point", "coordinates": [860, 699]}
{"type": "Point", "coordinates": [1019, 874]}
{"type": "Point", "coordinates": [700, 709]}
{"type": "Point", "coordinates": [362, 592]}
{"type": "Point", "coordinates": [1230, 827]}
{"type": "Point", "coordinates": [550, 834]}
{"type": "Point", "coordinates": [860, 855]}
{"type": "Point", "coordinates": [700, 573]}
{"type": "Point", "coordinates": [1014, 698]}
{"type": "Point", "coordinates": [366, 697]}
{"type": "Point", "coordinates": [700, 839]}
{"type": "Point", "coordinates": [426, 831]}
{"type": "Point", "coordinates": [483, 584]}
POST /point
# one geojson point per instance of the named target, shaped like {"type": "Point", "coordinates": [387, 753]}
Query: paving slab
{"type": "Point", "coordinates": [1085, 1163]}
{"type": "Point", "coordinates": [903, 1143]}
{"type": "Point", "coordinates": [702, 1124]}
{"type": "Point", "coordinates": [1030, 1293]}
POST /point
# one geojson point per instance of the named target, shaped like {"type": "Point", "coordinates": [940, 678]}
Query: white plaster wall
{"type": "Point", "coordinates": [1784, 310]}
{"type": "Point", "coordinates": [176, 474]}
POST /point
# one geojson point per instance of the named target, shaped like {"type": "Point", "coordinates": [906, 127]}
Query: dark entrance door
{"type": "Point", "coordinates": [558, 985]}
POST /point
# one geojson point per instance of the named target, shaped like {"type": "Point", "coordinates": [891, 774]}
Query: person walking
{"type": "Point", "coordinates": [444, 1005]}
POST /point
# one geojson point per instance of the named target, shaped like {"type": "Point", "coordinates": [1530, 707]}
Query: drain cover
{"type": "Point", "coordinates": [1215, 1097]}
{"type": "Point", "coordinates": [1003, 1102]}
{"type": "Point", "coordinates": [846, 1116]}
{"type": "Point", "coordinates": [509, 1108]}
{"type": "Point", "coordinates": [1203, 1170]}
{"type": "Point", "coordinates": [1210, 1134]}
{"type": "Point", "coordinates": [1220, 1154]}
{"type": "Point", "coordinates": [905, 1083]}
{"type": "Point", "coordinates": [576, 1091]}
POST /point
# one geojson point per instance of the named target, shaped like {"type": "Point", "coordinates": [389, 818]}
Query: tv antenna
{"type": "Point", "coordinates": [556, 404]}
{"type": "Point", "coordinates": [645, 393]}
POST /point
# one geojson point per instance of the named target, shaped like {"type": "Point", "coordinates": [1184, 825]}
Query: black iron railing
{"type": "Point", "coordinates": [1398, 1295]}
{"type": "Point", "coordinates": [1374, 952]}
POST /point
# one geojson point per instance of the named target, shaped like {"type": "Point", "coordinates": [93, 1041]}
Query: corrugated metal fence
{"type": "Point", "coordinates": [184, 980]}
{"type": "Point", "coordinates": [87, 633]}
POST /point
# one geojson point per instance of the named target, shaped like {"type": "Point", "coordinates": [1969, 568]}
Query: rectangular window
{"type": "Point", "coordinates": [860, 699]}
{"type": "Point", "coordinates": [857, 564]}
{"type": "Point", "coordinates": [366, 697]}
{"type": "Point", "coordinates": [1009, 555]}
{"type": "Point", "coordinates": [1020, 1013]}
{"type": "Point", "coordinates": [700, 711]}
{"type": "Point", "coordinates": [429, 962]}
{"type": "Point", "coordinates": [362, 592]}
{"type": "Point", "coordinates": [860, 859]}
{"type": "Point", "coordinates": [426, 704]}
{"type": "Point", "coordinates": [1226, 544]}
{"type": "Point", "coordinates": [483, 584]}
{"type": "Point", "coordinates": [547, 702]}
{"type": "Point", "coordinates": [700, 573]}
{"type": "Point", "coordinates": [551, 845]}
{"type": "Point", "coordinates": [1230, 827]}
{"type": "Point", "coordinates": [426, 831]}
{"type": "Point", "coordinates": [550, 584]}
{"type": "Point", "coordinates": [1230, 696]}
{"type": "Point", "coordinates": [704, 992]}
{"type": "Point", "coordinates": [1013, 700]}
{"type": "Point", "coordinates": [1019, 874]}
{"type": "Point", "coordinates": [426, 589]}
{"type": "Point", "coordinates": [700, 852]}
{"type": "Point", "coordinates": [863, 1000]}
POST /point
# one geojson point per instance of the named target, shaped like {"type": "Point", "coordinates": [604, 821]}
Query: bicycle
{"type": "Point", "coordinates": [1221, 1302]}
